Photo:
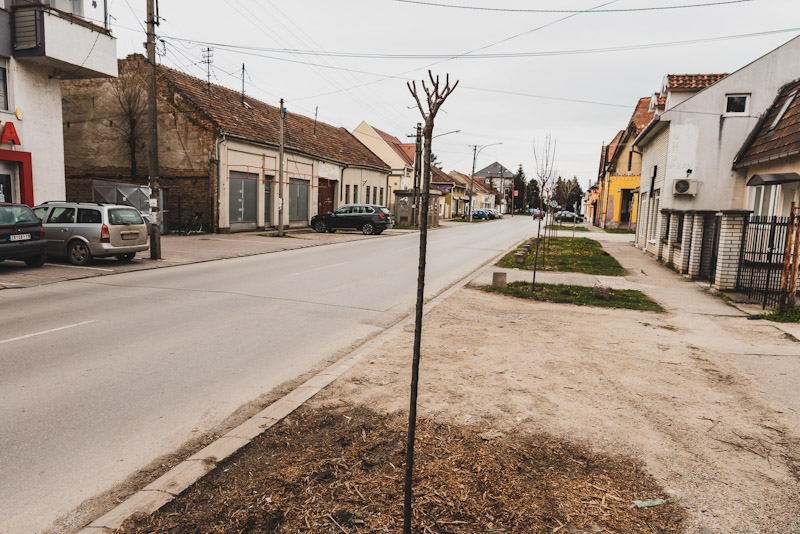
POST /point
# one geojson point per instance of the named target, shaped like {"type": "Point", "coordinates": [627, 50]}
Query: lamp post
{"type": "Point", "coordinates": [476, 149]}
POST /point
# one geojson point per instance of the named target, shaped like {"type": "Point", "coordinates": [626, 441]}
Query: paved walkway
{"type": "Point", "coordinates": [675, 292]}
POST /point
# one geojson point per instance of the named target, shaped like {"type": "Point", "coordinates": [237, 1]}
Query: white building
{"type": "Point", "coordinates": [41, 43]}
{"type": "Point", "coordinates": [693, 200]}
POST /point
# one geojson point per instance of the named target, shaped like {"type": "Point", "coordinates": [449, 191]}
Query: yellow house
{"type": "Point", "coordinates": [454, 194]}
{"type": "Point", "coordinates": [620, 173]}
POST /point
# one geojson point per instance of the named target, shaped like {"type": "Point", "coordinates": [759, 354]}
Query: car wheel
{"type": "Point", "coordinates": [126, 257]}
{"type": "Point", "coordinates": [36, 261]}
{"type": "Point", "coordinates": [367, 229]}
{"type": "Point", "coordinates": [79, 253]}
{"type": "Point", "coordinates": [320, 227]}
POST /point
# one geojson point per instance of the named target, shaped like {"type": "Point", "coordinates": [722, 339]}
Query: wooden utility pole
{"type": "Point", "coordinates": [280, 174]}
{"type": "Point", "coordinates": [435, 98]}
{"type": "Point", "coordinates": [152, 119]}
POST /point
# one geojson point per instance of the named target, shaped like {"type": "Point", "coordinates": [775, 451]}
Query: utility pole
{"type": "Point", "coordinates": [152, 116]}
{"type": "Point", "coordinates": [417, 169]}
{"type": "Point", "coordinates": [280, 175]}
{"type": "Point", "coordinates": [472, 178]}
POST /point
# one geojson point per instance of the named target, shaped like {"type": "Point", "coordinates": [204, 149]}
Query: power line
{"type": "Point", "coordinates": [362, 55]}
{"type": "Point", "coordinates": [576, 11]}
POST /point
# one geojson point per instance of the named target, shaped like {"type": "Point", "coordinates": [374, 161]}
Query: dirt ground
{"type": "Point", "coordinates": [697, 405]}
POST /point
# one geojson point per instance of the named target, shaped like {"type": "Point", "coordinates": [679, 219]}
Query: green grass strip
{"type": "Point", "coordinates": [566, 227]}
{"type": "Point", "coordinates": [568, 254]}
{"type": "Point", "coordinates": [789, 315]}
{"type": "Point", "coordinates": [629, 299]}
{"type": "Point", "coordinates": [619, 231]}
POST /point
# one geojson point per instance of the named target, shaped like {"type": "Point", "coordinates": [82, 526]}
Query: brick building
{"type": "Point", "coordinates": [218, 151]}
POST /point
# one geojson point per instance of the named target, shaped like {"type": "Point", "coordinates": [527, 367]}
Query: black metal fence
{"type": "Point", "coordinates": [761, 259]}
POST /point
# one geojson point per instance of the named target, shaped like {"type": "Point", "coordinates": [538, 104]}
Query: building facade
{"type": "Point", "coordinates": [42, 43]}
{"type": "Point", "coordinates": [694, 198]}
{"type": "Point", "coordinates": [398, 156]}
{"type": "Point", "coordinates": [218, 152]}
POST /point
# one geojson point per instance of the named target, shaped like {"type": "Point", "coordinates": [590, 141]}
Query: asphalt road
{"type": "Point", "coordinates": [99, 377]}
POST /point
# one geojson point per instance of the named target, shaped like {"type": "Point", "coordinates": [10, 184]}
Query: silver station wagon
{"type": "Point", "coordinates": [85, 230]}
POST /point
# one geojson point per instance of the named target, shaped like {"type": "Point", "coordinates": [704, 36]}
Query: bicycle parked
{"type": "Point", "coordinates": [195, 224]}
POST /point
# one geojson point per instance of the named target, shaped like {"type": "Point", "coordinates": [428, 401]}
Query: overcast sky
{"type": "Point", "coordinates": [482, 106]}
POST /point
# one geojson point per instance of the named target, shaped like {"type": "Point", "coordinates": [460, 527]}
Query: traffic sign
{"type": "Point", "coordinates": [553, 204]}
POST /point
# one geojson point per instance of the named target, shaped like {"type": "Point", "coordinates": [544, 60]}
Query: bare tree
{"type": "Point", "coordinates": [544, 157]}
{"type": "Point", "coordinates": [131, 94]}
{"type": "Point", "coordinates": [435, 97]}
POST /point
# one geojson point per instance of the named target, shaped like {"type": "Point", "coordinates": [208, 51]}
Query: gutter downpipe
{"type": "Point", "coordinates": [219, 180]}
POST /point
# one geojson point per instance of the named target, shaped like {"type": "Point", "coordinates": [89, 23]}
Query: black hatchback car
{"type": "Point", "coordinates": [368, 218]}
{"type": "Point", "coordinates": [21, 235]}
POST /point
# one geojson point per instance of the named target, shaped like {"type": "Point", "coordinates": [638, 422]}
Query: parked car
{"type": "Point", "coordinates": [21, 235]}
{"type": "Point", "coordinates": [480, 214]}
{"type": "Point", "coordinates": [82, 231]}
{"type": "Point", "coordinates": [537, 213]}
{"type": "Point", "coordinates": [494, 214]}
{"type": "Point", "coordinates": [568, 216]}
{"type": "Point", "coordinates": [368, 218]}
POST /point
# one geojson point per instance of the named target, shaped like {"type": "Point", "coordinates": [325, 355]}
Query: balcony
{"type": "Point", "coordinates": [71, 46]}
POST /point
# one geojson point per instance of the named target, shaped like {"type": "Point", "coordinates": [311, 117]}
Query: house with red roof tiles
{"type": "Point", "coordinates": [397, 155]}
{"type": "Point", "coordinates": [770, 157]}
{"type": "Point", "coordinates": [620, 173]}
{"type": "Point", "coordinates": [481, 196]}
{"type": "Point", "coordinates": [218, 152]}
{"type": "Point", "coordinates": [694, 196]}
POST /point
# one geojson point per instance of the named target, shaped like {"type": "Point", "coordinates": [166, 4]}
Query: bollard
{"type": "Point", "coordinates": [519, 257]}
{"type": "Point", "coordinates": [499, 280]}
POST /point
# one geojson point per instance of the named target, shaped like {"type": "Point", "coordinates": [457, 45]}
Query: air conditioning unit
{"type": "Point", "coordinates": [684, 186]}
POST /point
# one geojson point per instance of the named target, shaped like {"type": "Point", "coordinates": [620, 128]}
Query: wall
{"type": "Point", "coordinates": [402, 176]}
{"type": "Point", "coordinates": [704, 139]}
{"type": "Point", "coordinates": [96, 144]}
{"type": "Point", "coordinates": [39, 99]}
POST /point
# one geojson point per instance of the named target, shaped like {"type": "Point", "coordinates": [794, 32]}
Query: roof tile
{"type": "Point", "coordinates": [768, 143]}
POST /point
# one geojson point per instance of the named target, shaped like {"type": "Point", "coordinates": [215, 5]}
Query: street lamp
{"type": "Point", "coordinates": [475, 151]}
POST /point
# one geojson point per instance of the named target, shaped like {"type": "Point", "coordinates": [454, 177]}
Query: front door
{"type": "Point", "coordinates": [325, 196]}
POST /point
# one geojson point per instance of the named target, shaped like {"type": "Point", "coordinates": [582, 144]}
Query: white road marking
{"type": "Point", "coordinates": [319, 268]}
{"type": "Point", "coordinates": [45, 332]}
{"type": "Point", "coordinates": [81, 267]}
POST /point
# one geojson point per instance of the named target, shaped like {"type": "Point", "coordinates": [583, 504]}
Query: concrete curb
{"type": "Point", "coordinates": [165, 488]}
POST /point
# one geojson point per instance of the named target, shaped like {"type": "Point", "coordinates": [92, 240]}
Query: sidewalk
{"type": "Point", "coordinates": [178, 250]}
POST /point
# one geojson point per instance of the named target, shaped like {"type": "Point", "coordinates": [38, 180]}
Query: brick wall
{"type": "Point", "coordinates": [672, 238]}
{"type": "Point", "coordinates": [96, 142]}
{"type": "Point", "coordinates": [696, 248]}
{"type": "Point", "coordinates": [663, 223]}
{"type": "Point", "coordinates": [730, 242]}
{"type": "Point", "coordinates": [682, 263]}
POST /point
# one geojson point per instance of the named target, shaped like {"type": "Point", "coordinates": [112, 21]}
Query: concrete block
{"type": "Point", "coordinates": [180, 477]}
{"type": "Point", "coordinates": [251, 428]}
{"type": "Point", "coordinates": [144, 502]}
{"type": "Point", "coordinates": [499, 280]}
{"type": "Point", "coordinates": [219, 450]}
{"type": "Point", "coordinates": [519, 257]}
{"type": "Point", "coordinates": [320, 381]}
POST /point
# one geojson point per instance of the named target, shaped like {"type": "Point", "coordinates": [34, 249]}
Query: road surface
{"type": "Point", "coordinates": [99, 377]}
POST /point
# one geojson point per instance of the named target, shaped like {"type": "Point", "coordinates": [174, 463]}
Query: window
{"type": "Point", "coordinates": [736, 104]}
{"type": "Point", "coordinates": [123, 216]}
{"type": "Point", "coordinates": [3, 85]}
{"type": "Point", "coordinates": [89, 217]}
{"type": "Point", "coordinates": [347, 194]}
{"type": "Point", "coordinates": [344, 209]}
{"type": "Point", "coordinates": [62, 216]}
{"type": "Point", "coordinates": [367, 198]}
{"type": "Point", "coordinates": [355, 193]}
{"type": "Point", "coordinates": [782, 112]}
{"type": "Point", "coordinates": [654, 216]}
{"type": "Point", "coordinates": [375, 195]}
{"type": "Point", "coordinates": [381, 202]}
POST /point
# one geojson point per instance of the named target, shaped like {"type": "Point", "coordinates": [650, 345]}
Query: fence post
{"type": "Point", "coordinates": [795, 258]}
{"type": "Point", "coordinates": [770, 250]}
{"type": "Point", "coordinates": [787, 260]}
{"type": "Point", "coordinates": [739, 271]}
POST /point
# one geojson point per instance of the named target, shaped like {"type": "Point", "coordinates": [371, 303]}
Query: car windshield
{"type": "Point", "coordinates": [120, 216]}
{"type": "Point", "coordinates": [11, 215]}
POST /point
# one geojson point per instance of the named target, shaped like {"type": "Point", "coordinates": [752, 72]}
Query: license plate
{"type": "Point", "coordinates": [130, 236]}
{"type": "Point", "coordinates": [19, 237]}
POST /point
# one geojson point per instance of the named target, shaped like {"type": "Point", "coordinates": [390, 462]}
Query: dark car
{"type": "Point", "coordinates": [568, 216]}
{"type": "Point", "coordinates": [480, 214]}
{"type": "Point", "coordinates": [21, 235]}
{"type": "Point", "coordinates": [368, 218]}
{"type": "Point", "coordinates": [537, 213]}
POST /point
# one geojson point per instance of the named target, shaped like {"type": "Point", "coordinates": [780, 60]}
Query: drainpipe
{"type": "Point", "coordinates": [219, 180]}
